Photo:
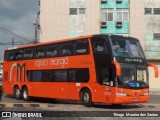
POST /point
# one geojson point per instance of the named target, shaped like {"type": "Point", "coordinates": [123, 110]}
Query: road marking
{"type": "Point", "coordinates": [9, 105]}
{"type": "Point", "coordinates": [43, 105]}
{"type": "Point", "coordinates": [27, 105]}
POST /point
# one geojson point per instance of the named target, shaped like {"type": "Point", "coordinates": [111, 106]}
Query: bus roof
{"type": "Point", "coordinates": [49, 42]}
{"type": "Point", "coordinates": [69, 39]}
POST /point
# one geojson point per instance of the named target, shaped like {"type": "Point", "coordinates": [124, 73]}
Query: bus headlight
{"type": "Point", "coordinates": [146, 94]}
{"type": "Point", "coordinates": [121, 94]}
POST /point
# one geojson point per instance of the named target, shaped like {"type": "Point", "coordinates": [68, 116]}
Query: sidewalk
{"type": "Point", "coordinates": [154, 89]}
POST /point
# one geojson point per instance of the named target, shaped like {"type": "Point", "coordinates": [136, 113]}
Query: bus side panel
{"type": "Point", "coordinates": [8, 76]}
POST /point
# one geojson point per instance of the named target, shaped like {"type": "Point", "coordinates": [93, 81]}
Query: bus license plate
{"type": "Point", "coordinates": [135, 99]}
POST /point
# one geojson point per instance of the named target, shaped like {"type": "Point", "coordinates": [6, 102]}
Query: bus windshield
{"type": "Point", "coordinates": [126, 48]}
{"type": "Point", "coordinates": [133, 76]}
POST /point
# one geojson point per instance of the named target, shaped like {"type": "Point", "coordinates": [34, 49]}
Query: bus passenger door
{"type": "Point", "coordinates": [103, 65]}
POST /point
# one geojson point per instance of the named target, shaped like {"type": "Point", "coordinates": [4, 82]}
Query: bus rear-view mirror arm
{"type": "Point", "coordinates": [155, 69]}
{"type": "Point", "coordinates": [118, 68]}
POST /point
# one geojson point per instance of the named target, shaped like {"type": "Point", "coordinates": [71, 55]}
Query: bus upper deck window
{"type": "Point", "coordinates": [28, 54]}
{"type": "Point", "coordinates": [66, 49]}
{"type": "Point", "coordinates": [40, 52]}
{"type": "Point", "coordinates": [100, 47]}
{"type": "Point", "coordinates": [82, 47]}
{"type": "Point", "coordinates": [11, 56]}
{"type": "Point", "coordinates": [52, 51]}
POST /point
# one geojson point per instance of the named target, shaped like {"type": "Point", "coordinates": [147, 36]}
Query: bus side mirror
{"type": "Point", "coordinates": [118, 68]}
{"type": "Point", "coordinates": [155, 69]}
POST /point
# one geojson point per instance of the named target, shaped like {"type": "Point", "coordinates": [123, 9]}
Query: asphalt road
{"type": "Point", "coordinates": [11, 104]}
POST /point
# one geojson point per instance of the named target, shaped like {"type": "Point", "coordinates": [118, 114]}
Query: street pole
{"type": "Point", "coordinates": [36, 25]}
{"type": "Point", "coordinates": [12, 42]}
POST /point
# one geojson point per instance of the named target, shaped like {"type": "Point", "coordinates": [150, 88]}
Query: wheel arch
{"type": "Point", "coordinates": [23, 86]}
{"type": "Point", "coordinates": [86, 87]}
{"type": "Point", "coordinates": [16, 85]}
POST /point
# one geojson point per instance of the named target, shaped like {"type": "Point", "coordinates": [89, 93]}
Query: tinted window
{"type": "Point", "coordinates": [28, 53]}
{"type": "Point", "coordinates": [60, 76]}
{"type": "Point", "coordinates": [10, 55]}
{"type": "Point", "coordinates": [66, 75]}
{"type": "Point", "coordinates": [100, 47]}
{"type": "Point", "coordinates": [52, 51]}
{"type": "Point", "coordinates": [48, 76]}
{"type": "Point", "coordinates": [19, 55]}
{"type": "Point", "coordinates": [81, 47]}
{"type": "Point", "coordinates": [35, 76]}
{"type": "Point", "coordinates": [82, 75]}
{"type": "Point", "coordinates": [66, 49]}
{"type": "Point", "coordinates": [126, 47]}
{"type": "Point", "coordinates": [40, 52]}
{"type": "Point", "coordinates": [104, 76]}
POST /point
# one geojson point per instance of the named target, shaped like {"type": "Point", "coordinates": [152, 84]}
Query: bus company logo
{"type": "Point", "coordinates": [133, 60]}
{"type": "Point", "coordinates": [18, 67]}
{"type": "Point", "coordinates": [53, 62]}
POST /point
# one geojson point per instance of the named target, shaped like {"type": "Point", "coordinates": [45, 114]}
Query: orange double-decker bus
{"type": "Point", "coordinates": [97, 68]}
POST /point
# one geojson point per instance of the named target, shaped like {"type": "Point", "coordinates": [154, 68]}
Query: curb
{"type": "Point", "coordinates": [10, 105]}
{"type": "Point", "coordinates": [33, 105]}
{"type": "Point", "coordinates": [26, 105]}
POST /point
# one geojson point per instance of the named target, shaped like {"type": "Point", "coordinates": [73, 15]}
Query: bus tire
{"type": "Point", "coordinates": [25, 94]}
{"type": "Point", "coordinates": [87, 98]}
{"type": "Point", "coordinates": [17, 93]}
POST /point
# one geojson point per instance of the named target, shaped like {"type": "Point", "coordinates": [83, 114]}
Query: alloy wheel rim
{"type": "Point", "coordinates": [17, 92]}
{"type": "Point", "coordinates": [25, 95]}
{"type": "Point", "coordinates": [86, 97]}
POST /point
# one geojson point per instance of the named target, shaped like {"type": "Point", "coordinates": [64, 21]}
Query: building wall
{"type": "Point", "coordinates": [111, 27]}
{"type": "Point", "coordinates": [142, 27]}
{"type": "Point", "coordinates": [152, 25]}
{"type": "Point", "coordinates": [54, 19]}
{"type": "Point", "coordinates": [137, 20]}
{"type": "Point", "coordinates": [57, 23]}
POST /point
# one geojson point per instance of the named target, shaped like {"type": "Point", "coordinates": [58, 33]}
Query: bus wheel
{"type": "Point", "coordinates": [17, 93]}
{"type": "Point", "coordinates": [87, 98]}
{"type": "Point", "coordinates": [25, 94]}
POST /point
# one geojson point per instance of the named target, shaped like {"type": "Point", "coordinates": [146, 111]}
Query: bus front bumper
{"type": "Point", "coordinates": [130, 99]}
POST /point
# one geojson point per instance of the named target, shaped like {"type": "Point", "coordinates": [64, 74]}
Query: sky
{"type": "Point", "coordinates": [18, 17]}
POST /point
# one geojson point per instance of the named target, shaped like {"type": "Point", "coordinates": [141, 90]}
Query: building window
{"type": "Point", "coordinates": [82, 10]}
{"type": "Point", "coordinates": [77, 11]}
{"type": "Point", "coordinates": [156, 36]}
{"type": "Point", "coordinates": [73, 11]}
{"type": "Point", "coordinates": [107, 14]}
{"type": "Point", "coordinates": [148, 11]}
{"type": "Point", "coordinates": [156, 10]}
{"type": "Point", "coordinates": [122, 15]}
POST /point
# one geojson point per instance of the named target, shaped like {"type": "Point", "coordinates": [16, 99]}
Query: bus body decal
{"type": "Point", "coordinates": [52, 62]}
{"type": "Point", "coordinates": [14, 65]}
{"type": "Point", "coordinates": [20, 67]}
